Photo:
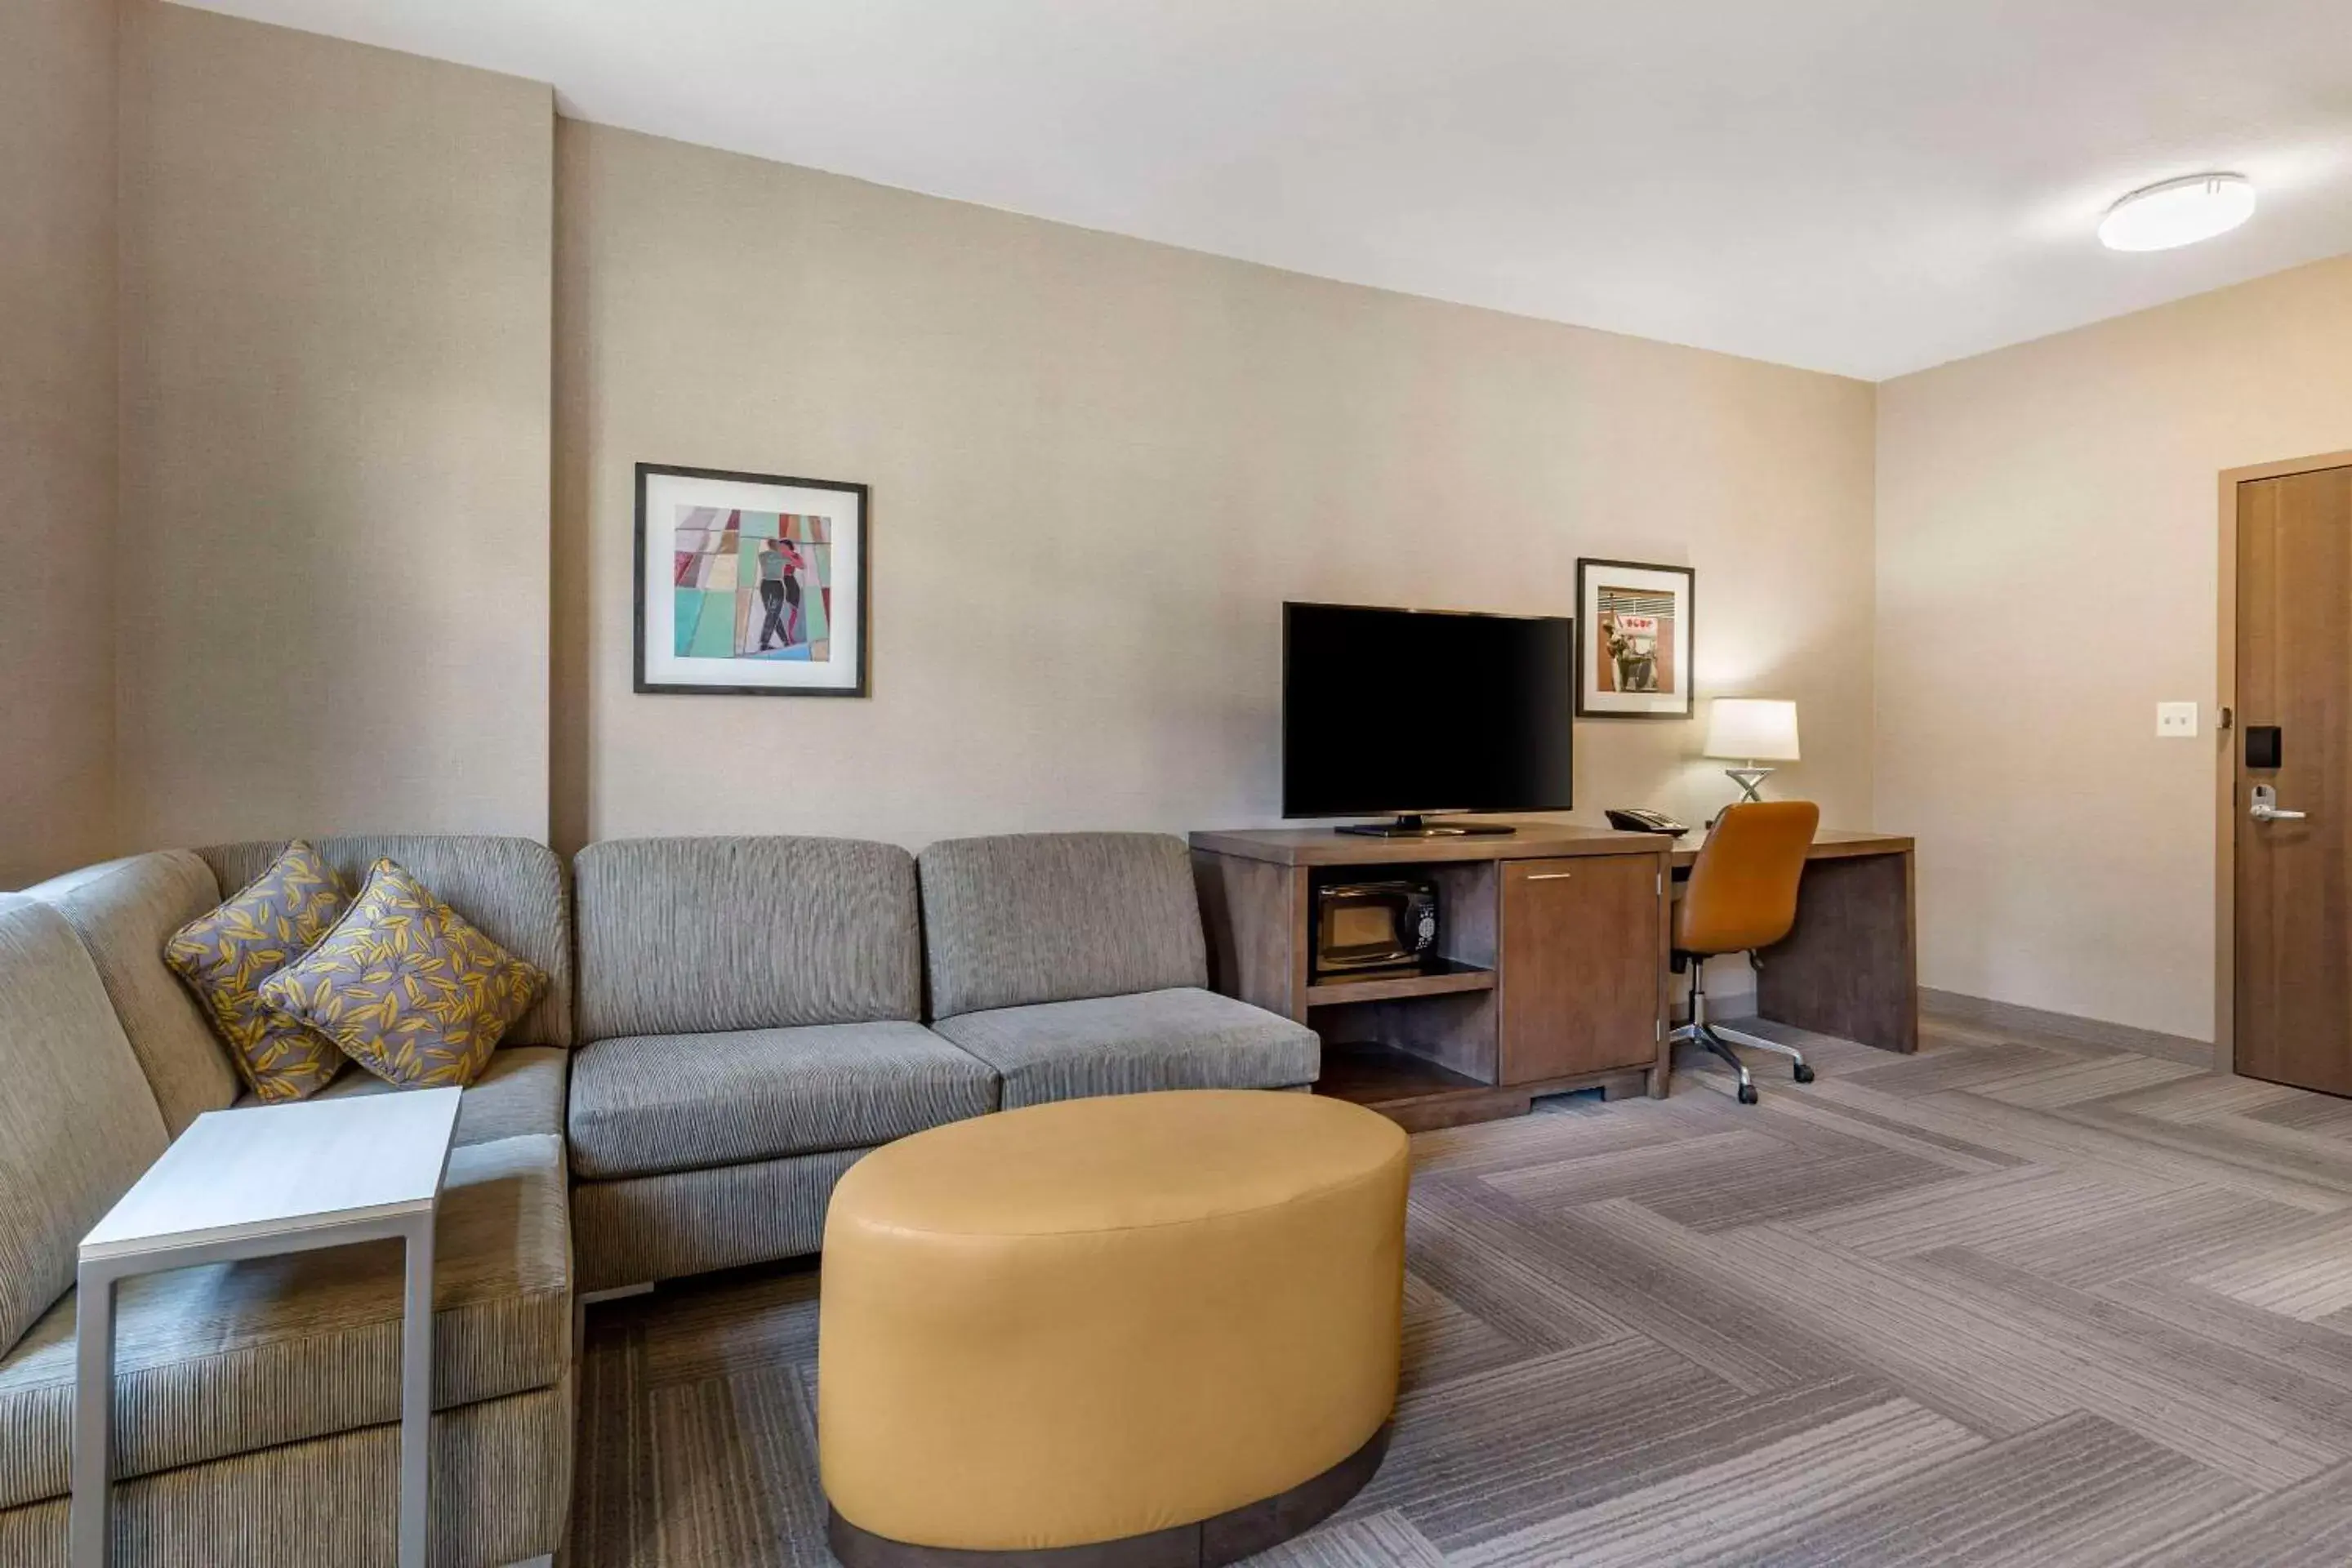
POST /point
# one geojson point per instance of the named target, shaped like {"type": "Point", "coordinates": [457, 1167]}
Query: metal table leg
{"type": "Point", "coordinates": [93, 1451]}
{"type": "Point", "coordinates": [416, 1396]}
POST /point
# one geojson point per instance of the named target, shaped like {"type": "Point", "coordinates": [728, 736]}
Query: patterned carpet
{"type": "Point", "coordinates": [2016, 1299]}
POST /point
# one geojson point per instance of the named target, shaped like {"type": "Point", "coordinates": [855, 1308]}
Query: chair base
{"type": "Point", "coordinates": [1805, 1073]}
{"type": "Point", "coordinates": [1719, 1040]}
{"type": "Point", "coordinates": [1211, 1542]}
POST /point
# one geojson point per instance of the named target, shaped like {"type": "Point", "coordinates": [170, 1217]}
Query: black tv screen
{"type": "Point", "coordinates": [1421, 711]}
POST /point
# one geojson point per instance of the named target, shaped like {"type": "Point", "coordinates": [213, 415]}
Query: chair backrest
{"type": "Point", "coordinates": [513, 888]}
{"type": "Point", "coordinates": [690, 936]}
{"type": "Point", "coordinates": [124, 911]}
{"type": "Point", "coordinates": [1058, 916]}
{"type": "Point", "coordinates": [1743, 890]}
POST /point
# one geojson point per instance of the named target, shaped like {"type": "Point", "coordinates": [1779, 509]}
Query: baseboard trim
{"type": "Point", "coordinates": [1962, 1008]}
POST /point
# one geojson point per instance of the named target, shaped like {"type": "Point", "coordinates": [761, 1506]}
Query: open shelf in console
{"type": "Point", "coordinates": [1442, 1017]}
{"type": "Point", "coordinates": [1388, 1079]}
{"type": "Point", "coordinates": [1442, 978]}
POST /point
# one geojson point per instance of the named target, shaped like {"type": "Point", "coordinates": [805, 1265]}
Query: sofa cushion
{"type": "Point", "coordinates": [78, 1122]}
{"type": "Point", "coordinates": [124, 911]}
{"type": "Point", "coordinates": [520, 1093]}
{"type": "Point", "coordinates": [1177, 1039]}
{"type": "Point", "coordinates": [406, 986]}
{"type": "Point", "coordinates": [684, 936]}
{"type": "Point", "coordinates": [643, 1229]}
{"type": "Point", "coordinates": [233, 1357]}
{"type": "Point", "coordinates": [646, 1104]}
{"type": "Point", "coordinates": [512, 889]}
{"type": "Point", "coordinates": [227, 954]}
{"type": "Point", "coordinates": [1053, 916]}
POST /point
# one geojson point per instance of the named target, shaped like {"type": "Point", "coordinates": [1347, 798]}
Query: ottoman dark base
{"type": "Point", "coordinates": [1227, 1537]}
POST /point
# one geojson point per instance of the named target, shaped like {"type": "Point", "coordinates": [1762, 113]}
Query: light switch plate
{"type": "Point", "coordinates": [2176, 721]}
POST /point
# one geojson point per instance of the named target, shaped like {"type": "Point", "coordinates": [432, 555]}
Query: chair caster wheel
{"type": "Point", "coordinates": [1805, 1073]}
{"type": "Point", "coordinates": [1746, 1094]}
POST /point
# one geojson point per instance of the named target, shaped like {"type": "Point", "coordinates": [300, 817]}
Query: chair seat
{"type": "Point", "coordinates": [1179, 1039]}
{"type": "Point", "coordinates": [520, 1092]}
{"type": "Point", "coordinates": [648, 1105]}
{"type": "Point", "coordinates": [236, 1357]}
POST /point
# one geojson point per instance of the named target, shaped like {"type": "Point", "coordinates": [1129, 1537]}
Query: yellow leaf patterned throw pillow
{"type": "Point", "coordinates": [406, 986]}
{"type": "Point", "coordinates": [226, 955]}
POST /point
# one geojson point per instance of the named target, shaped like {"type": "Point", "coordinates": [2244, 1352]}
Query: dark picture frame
{"type": "Point", "coordinates": [1678, 701]}
{"type": "Point", "coordinates": [861, 592]}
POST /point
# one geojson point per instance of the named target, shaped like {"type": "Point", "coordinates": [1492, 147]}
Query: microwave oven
{"type": "Point", "coordinates": [1388, 924]}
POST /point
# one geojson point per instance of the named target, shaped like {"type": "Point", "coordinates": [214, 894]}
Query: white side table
{"type": "Point", "coordinates": [253, 1182]}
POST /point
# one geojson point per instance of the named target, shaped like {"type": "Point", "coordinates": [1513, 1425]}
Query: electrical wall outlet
{"type": "Point", "coordinates": [2176, 721]}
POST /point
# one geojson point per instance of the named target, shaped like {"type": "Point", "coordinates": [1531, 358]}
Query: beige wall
{"type": "Point", "coordinates": [1099, 465]}
{"type": "Point", "coordinates": [332, 581]}
{"type": "Point", "coordinates": [2047, 572]}
{"type": "Point", "coordinates": [57, 433]}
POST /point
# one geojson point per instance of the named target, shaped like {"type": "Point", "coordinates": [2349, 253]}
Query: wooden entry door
{"type": "Point", "coordinates": [2292, 1004]}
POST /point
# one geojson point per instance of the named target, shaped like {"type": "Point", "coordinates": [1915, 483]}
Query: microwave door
{"type": "Point", "coordinates": [1363, 931]}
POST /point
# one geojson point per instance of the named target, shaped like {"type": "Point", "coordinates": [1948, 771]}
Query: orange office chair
{"type": "Point", "coordinates": [1742, 896]}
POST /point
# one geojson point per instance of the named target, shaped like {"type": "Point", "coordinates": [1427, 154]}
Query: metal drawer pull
{"type": "Point", "coordinates": [1549, 876]}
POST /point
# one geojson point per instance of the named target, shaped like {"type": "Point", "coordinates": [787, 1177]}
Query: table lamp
{"type": "Point", "coordinates": [1751, 729]}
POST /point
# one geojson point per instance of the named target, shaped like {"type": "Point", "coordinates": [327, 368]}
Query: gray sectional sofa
{"type": "Point", "coordinates": [751, 1016]}
{"type": "Point", "coordinates": [745, 1018]}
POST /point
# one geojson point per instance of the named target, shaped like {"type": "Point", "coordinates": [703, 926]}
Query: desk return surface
{"type": "Point", "coordinates": [1851, 966]}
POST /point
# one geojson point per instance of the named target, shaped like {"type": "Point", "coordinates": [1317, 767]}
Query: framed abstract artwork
{"type": "Point", "coordinates": [750, 584]}
{"type": "Point", "coordinates": [1633, 646]}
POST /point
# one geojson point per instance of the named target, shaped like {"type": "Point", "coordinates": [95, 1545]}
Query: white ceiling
{"type": "Point", "coordinates": [1868, 187]}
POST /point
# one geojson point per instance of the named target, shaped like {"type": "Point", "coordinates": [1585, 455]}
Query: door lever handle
{"type": "Point", "coordinates": [2265, 806]}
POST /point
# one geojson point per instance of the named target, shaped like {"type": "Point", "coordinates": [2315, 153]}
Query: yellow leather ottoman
{"type": "Point", "coordinates": [1126, 1332]}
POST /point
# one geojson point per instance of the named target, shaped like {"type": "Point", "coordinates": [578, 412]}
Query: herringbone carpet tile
{"type": "Point", "coordinates": [2017, 1299]}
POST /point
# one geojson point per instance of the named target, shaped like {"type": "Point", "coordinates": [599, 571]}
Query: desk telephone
{"type": "Point", "coordinates": [1640, 819]}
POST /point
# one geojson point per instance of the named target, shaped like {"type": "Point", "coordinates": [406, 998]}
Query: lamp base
{"type": "Point", "coordinates": [1748, 779]}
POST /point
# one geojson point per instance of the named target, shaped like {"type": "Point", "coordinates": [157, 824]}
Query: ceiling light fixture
{"type": "Point", "coordinates": [2178, 212]}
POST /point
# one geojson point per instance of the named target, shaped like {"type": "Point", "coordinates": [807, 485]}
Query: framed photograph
{"type": "Point", "coordinates": [750, 584]}
{"type": "Point", "coordinates": [1633, 641]}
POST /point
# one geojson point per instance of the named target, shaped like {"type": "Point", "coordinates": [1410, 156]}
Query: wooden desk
{"type": "Point", "coordinates": [1550, 972]}
{"type": "Point", "coordinates": [1322, 847]}
{"type": "Point", "coordinates": [1850, 967]}
{"type": "Point", "coordinates": [1553, 950]}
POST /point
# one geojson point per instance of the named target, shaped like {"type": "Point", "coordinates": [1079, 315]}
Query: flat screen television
{"type": "Point", "coordinates": [1412, 713]}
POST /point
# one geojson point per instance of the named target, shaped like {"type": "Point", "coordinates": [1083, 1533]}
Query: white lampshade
{"type": "Point", "coordinates": [1752, 729]}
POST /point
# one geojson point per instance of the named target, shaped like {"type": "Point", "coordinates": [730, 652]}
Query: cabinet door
{"type": "Point", "coordinates": [1581, 972]}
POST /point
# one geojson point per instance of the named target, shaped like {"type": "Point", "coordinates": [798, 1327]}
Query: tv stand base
{"type": "Point", "coordinates": [1414, 826]}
